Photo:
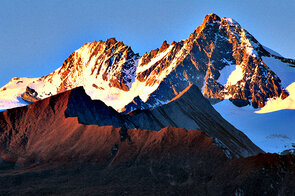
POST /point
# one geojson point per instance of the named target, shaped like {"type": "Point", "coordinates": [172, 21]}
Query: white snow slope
{"type": "Point", "coordinates": [287, 75]}
{"type": "Point", "coordinates": [11, 93]}
{"type": "Point", "coordinates": [272, 132]}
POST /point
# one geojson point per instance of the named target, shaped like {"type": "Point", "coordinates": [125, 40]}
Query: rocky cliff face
{"type": "Point", "coordinates": [98, 65]}
{"type": "Point", "coordinates": [220, 57]}
{"type": "Point", "coordinates": [102, 68]}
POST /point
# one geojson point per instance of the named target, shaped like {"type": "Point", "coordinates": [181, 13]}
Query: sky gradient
{"type": "Point", "coordinates": [37, 36]}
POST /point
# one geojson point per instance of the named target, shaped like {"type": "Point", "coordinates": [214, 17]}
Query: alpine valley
{"type": "Point", "coordinates": [194, 116]}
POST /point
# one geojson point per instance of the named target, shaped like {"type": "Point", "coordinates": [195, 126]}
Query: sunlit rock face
{"type": "Point", "coordinates": [105, 69]}
{"type": "Point", "coordinates": [220, 57]}
{"type": "Point", "coordinates": [98, 66]}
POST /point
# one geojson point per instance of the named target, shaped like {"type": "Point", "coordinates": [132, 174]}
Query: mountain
{"type": "Point", "coordinates": [192, 111]}
{"type": "Point", "coordinates": [49, 148]}
{"type": "Point", "coordinates": [98, 66]}
{"type": "Point", "coordinates": [220, 57]}
{"type": "Point", "coordinates": [270, 127]}
{"type": "Point", "coordinates": [48, 116]}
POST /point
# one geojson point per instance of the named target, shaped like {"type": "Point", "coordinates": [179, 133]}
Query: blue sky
{"type": "Point", "coordinates": [37, 36]}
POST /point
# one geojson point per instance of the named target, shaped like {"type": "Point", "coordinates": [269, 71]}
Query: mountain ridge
{"type": "Point", "coordinates": [112, 72]}
{"type": "Point", "coordinates": [58, 154]}
{"type": "Point", "coordinates": [53, 112]}
{"type": "Point", "coordinates": [111, 122]}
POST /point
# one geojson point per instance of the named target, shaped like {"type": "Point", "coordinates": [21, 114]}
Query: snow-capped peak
{"type": "Point", "coordinates": [219, 57]}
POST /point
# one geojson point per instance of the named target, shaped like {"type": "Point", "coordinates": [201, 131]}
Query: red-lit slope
{"type": "Point", "coordinates": [24, 129]}
{"type": "Point", "coordinates": [40, 134]}
{"type": "Point", "coordinates": [64, 157]}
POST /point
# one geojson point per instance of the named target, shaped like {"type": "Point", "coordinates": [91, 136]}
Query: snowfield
{"type": "Point", "coordinates": [273, 132]}
{"type": "Point", "coordinates": [273, 105]}
{"type": "Point", "coordinates": [10, 94]}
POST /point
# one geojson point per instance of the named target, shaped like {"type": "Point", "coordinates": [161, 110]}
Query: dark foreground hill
{"type": "Point", "coordinates": [172, 161]}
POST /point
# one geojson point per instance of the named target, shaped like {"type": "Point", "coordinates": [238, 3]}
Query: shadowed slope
{"type": "Point", "coordinates": [192, 111]}
{"type": "Point", "coordinates": [163, 166]}
{"type": "Point", "coordinates": [20, 126]}
{"type": "Point", "coordinates": [189, 110]}
{"type": "Point", "coordinates": [41, 133]}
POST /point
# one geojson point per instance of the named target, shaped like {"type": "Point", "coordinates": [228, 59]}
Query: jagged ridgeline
{"type": "Point", "coordinates": [220, 57]}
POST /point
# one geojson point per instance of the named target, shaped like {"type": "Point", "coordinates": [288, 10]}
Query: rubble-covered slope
{"type": "Point", "coordinates": [46, 151]}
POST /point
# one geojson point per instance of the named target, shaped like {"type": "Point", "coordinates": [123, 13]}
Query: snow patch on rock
{"type": "Point", "coordinates": [249, 46]}
{"type": "Point", "coordinates": [226, 72]}
{"type": "Point", "coordinates": [10, 94]}
{"type": "Point", "coordinates": [283, 70]}
{"type": "Point", "coordinates": [142, 68]}
{"type": "Point", "coordinates": [235, 76]}
{"type": "Point", "coordinates": [276, 104]}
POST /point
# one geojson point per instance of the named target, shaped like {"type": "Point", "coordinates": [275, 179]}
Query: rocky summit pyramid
{"type": "Point", "coordinates": [220, 57]}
